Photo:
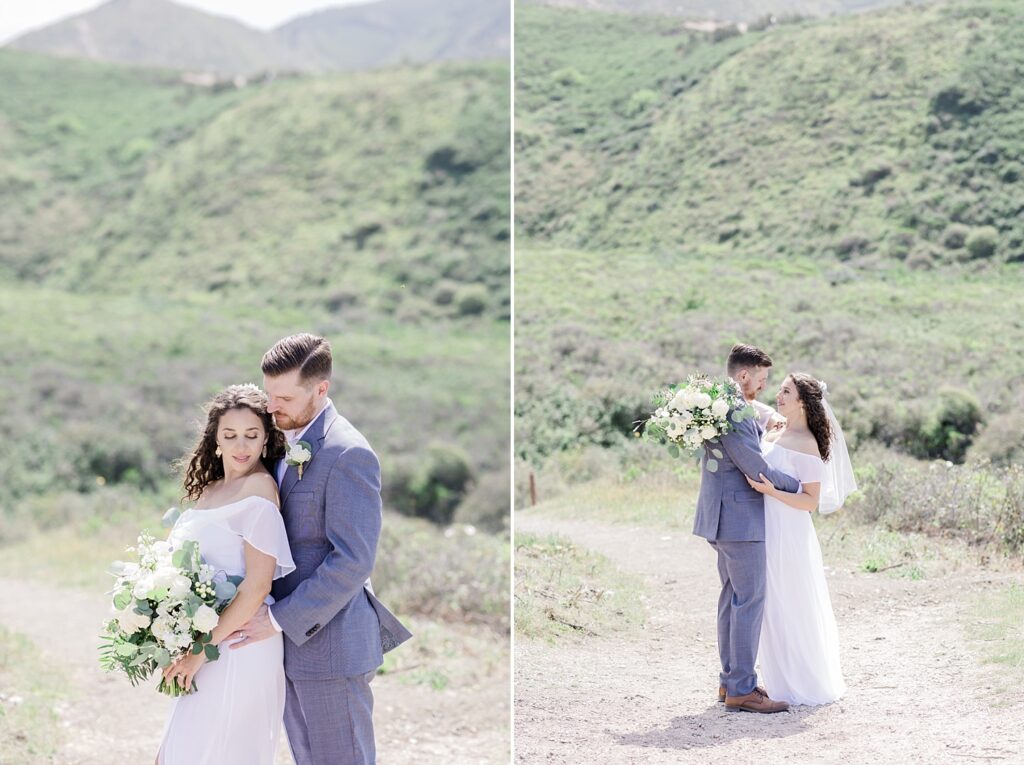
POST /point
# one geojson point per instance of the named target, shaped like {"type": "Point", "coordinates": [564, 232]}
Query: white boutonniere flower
{"type": "Point", "coordinates": [298, 455]}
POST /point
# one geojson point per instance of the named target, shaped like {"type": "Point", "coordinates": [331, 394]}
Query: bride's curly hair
{"type": "Point", "coordinates": [812, 397]}
{"type": "Point", "coordinates": [202, 467]}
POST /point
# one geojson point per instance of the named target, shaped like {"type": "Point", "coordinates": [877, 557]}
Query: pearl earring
{"type": "Point", "coordinates": [217, 452]}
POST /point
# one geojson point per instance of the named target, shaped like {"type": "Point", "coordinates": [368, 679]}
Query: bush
{"type": "Point", "coordinates": [955, 236]}
{"type": "Point", "coordinates": [487, 506]}
{"type": "Point", "coordinates": [979, 503]}
{"type": "Point", "coordinates": [455, 575]}
{"type": "Point", "coordinates": [472, 300]}
{"type": "Point", "coordinates": [982, 242]}
{"type": "Point", "coordinates": [430, 488]}
{"type": "Point", "coordinates": [947, 432]}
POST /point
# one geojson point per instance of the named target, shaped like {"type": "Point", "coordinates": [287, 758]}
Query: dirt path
{"type": "Point", "coordinates": [917, 693]}
{"type": "Point", "coordinates": [105, 721]}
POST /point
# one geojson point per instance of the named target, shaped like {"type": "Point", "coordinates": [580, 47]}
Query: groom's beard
{"type": "Point", "coordinates": [284, 422]}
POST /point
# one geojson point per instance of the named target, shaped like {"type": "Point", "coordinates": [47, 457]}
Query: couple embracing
{"type": "Point", "coordinates": [287, 495]}
{"type": "Point", "coordinates": [755, 511]}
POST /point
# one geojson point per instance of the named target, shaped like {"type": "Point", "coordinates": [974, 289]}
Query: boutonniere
{"type": "Point", "coordinates": [298, 455]}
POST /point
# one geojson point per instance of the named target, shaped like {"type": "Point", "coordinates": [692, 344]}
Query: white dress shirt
{"type": "Point", "coordinates": [292, 436]}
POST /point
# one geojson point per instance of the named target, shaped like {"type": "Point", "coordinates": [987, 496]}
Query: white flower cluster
{"type": "Point", "coordinates": [697, 413]}
{"type": "Point", "coordinates": [168, 592]}
{"type": "Point", "coordinates": [162, 605]}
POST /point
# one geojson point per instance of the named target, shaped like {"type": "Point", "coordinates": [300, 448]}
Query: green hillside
{"type": "Point", "coordinates": [388, 32]}
{"type": "Point", "coordinates": [163, 33]}
{"type": "Point", "coordinates": [294, 182]}
{"type": "Point", "coordinates": [846, 193]}
{"type": "Point", "coordinates": [726, 10]}
{"type": "Point", "coordinates": [156, 238]}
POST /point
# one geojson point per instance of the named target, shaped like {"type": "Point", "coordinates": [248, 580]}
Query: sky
{"type": "Point", "coordinates": [19, 17]}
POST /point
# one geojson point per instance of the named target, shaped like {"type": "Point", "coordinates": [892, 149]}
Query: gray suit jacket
{"type": "Point", "coordinates": [335, 625]}
{"type": "Point", "coordinates": [728, 510]}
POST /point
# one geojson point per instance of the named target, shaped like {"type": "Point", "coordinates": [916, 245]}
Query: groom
{"type": "Point", "coordinates": [730, 515]}
{"type": "Point", "coordinates": [336, 629]}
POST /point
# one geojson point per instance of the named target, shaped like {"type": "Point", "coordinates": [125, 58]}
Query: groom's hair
{"type": "Point", "coordinates": [310, 354]}
{"type": "Point", "coordinates": [746, 357]}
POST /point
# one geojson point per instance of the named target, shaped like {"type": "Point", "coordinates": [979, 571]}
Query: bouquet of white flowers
{"type": "Point", "coordinates": [163, 606]}
{"type": "Point", "coordinates": [690, 418]}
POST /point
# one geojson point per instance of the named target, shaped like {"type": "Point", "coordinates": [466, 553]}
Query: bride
{"type": "Point", "coordinates": [799, 645]}
{"type": "Point", "coordinates": [235, 715]}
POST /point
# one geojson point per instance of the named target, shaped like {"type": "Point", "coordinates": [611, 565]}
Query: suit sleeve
{"type": "Point", "coordinates": [741, 446]}
{"type": "Point", "coordinates": [353, 523]}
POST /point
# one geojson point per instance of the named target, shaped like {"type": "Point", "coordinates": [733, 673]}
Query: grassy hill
{"type": "Point", "coordinates": [156, 238]}
{"type": "Point", "coordinates": [725, 10]}
{"type": "Point", "coordinates": [394, 31]}
{"type": "Point", "coordinates": [846, 193]}
{"type": "Point", "coordinates": [163, 33]}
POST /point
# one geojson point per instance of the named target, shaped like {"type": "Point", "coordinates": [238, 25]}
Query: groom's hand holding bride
{"type": "Point", "coordinates": [253, 631]}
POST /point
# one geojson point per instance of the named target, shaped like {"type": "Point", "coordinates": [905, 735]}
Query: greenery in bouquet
{"type": "Point", "coordinates": [165, 605]}
{"type": "Point", "coordinates": [690, 418]}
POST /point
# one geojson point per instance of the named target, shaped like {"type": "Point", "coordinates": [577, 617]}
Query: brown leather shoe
{"type": "Point", "coordinates": [755, 701]}
{"type": "Point", "coordinates": [721, 694]}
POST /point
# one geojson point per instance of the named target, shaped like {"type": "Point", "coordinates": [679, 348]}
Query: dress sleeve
{"type": "Point", "coordinates": [261, 525]}
{"type": "Point", "coordinates": [810, 469]}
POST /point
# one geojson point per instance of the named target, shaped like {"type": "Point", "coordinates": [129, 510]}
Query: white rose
{"type": "Point", "coordinates": [680, 401]}
{"type": "Point", "coordinates": [163, 630]}
{"type": "Point", "coordinates": [720, 408]}
{"type": "Point", "coordinates": [131, 622]}
{"type": "Point", "coordinates": [205, 619]}
{"type": "Point", "coordinates": [708, 432]}
{"type": "Point", "coordinates": [180, 586]}
{"type": "Point", "coordinates": [702, 400]}
{"type": "Point", "coordinates": [299, 453]}
{"type": "Point", "coordinates": [143, 586]}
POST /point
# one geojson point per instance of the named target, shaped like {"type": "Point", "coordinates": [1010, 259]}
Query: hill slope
{"type": "Point", "coordinates": [162, 33]}
{"type": "Point", "coordinates": [156, 238]}
{"type": "Point", "coordinates": [395, 183]}
{"type": "Point", "coordinates": [725, 10]}
{"type": "Point", "coordinates": [395, 31]}
{"type": "Point", "coordinates": [846, 193]}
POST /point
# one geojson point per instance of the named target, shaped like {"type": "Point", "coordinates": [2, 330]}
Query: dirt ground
{"type": "Point", "coordinates": [106, 721]}
{"type": "Point", "coordinates": [917, 691]}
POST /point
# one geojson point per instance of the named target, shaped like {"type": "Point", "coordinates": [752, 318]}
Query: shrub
{"type": "Point", "coordinates": [982, 242]}
{"type": "Point", "coordinates": [431, 487]}
{"type": "Point", "coordinates": [955, 236]}
{"type": "Point", "coordinates": [472, 300]}
{"type": "Point", "coordinates": [947, 432]}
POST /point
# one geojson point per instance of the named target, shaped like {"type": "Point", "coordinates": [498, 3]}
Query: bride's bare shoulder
{"type": "Point", "coordinates": [805, 443]}
{"type": "Point", "coordinates": [261, 484]}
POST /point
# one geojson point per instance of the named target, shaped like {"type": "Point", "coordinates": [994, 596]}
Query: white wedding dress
{"type": "Point", "coordinates": [235, 716]}
{"type": "Point", "coordinates": [799, 648]}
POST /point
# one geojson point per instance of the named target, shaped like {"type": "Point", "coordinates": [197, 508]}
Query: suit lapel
{"type": "Point", "coordinates": [314, 436]}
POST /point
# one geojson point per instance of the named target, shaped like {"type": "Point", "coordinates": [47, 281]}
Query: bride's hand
{"type": "Point", "coordinates": [184, 669]}
{"type": "Point", "coordinates": [764, 486]}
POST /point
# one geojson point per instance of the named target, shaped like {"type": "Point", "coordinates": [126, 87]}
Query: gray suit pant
{"type": "Point", "coordinates": [330, 722]}
{"type": "Point", "coordinates": [741, 567]}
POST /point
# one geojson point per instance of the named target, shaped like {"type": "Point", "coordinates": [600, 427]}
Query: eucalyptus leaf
{"type": "Point", "coordinates": [236, 579]}
{"type": "Point", "coordinates": [179, 558]}
{"type": "Point", "coordinates": [712, 466]}
{"type": "Point", "coordinates": [225, 590]}
{"type": "Point", "coordinates": [212, 654]}
{"type": "Point", "coordinates": [122, 600]}
{"type": "Point", "coordinates": [718, 453]}
{"type": "Point", "coordinates": [139, 660]}
{"type": "Point", "coordinates": [163, 658]}
{"type": "Point", "coordinates": [126, 649]}
{"type": "Point", "coordinates": [673, 450]}
{"type": "Point", "coordinates": [197, 648]}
